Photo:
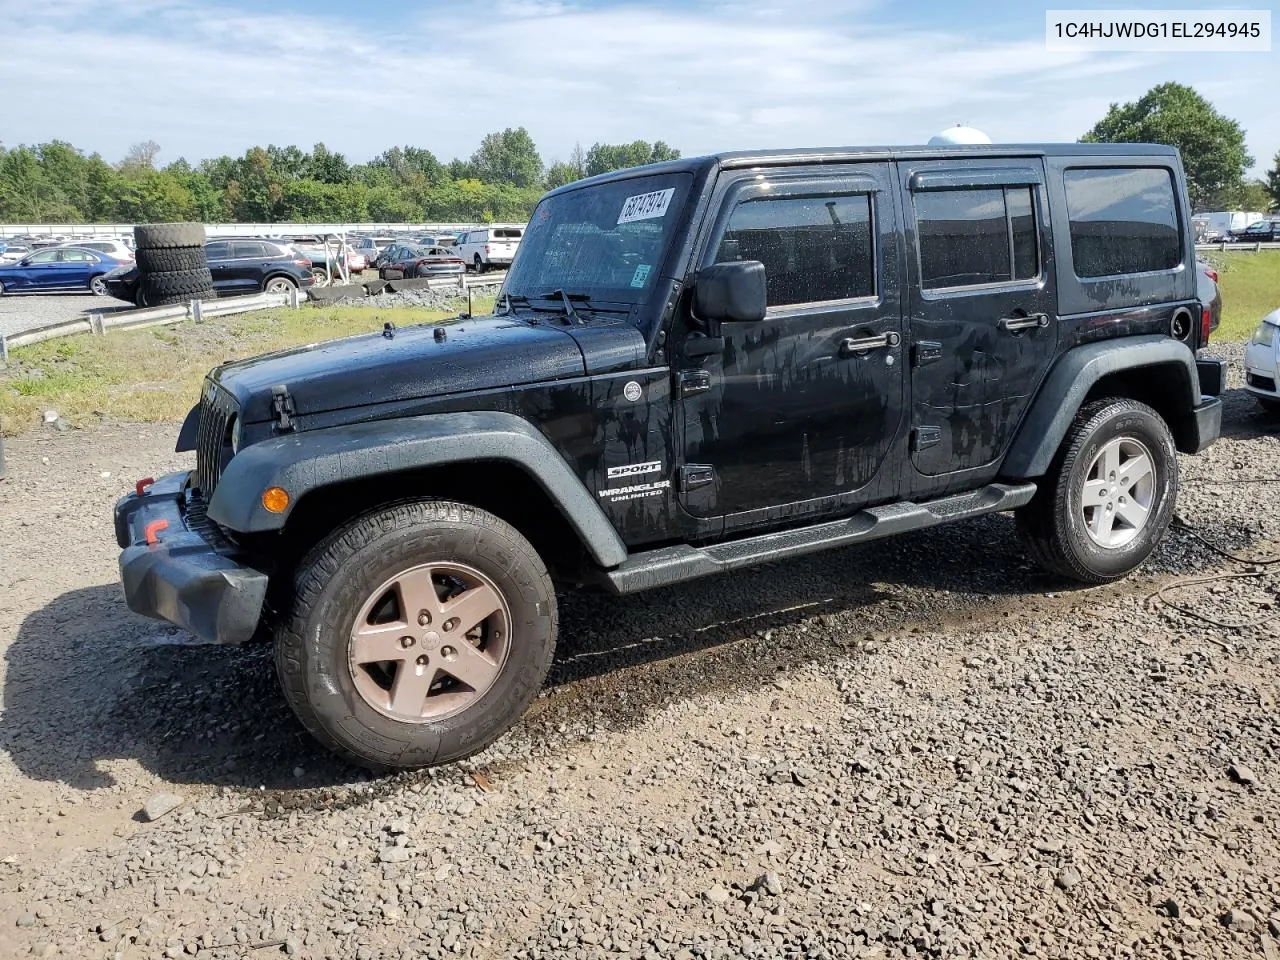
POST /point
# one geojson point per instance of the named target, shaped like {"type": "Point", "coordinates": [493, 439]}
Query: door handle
{"type": "Point", "coordinates": [1030, 322]}
{"type": "Point", "coordinates": [854, 345]}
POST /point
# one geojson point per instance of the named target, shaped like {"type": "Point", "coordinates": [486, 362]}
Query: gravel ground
{"type": "Point", "coordinates": [921, 747]}
{"type": "Point", "coordinates": [430, 299]}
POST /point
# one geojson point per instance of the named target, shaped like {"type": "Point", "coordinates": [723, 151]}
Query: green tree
{"type": "Point", "coordinates": [256, 191]}
{"type": "Point", "coordinates": [567, 171]}
{"type": "Point", "coordinates": [508, 157]}
{"type": "Point", "coordinates": [327, 167]}
{"type": "Point", "coordinates": [1273, 180]}
{"type": "Point", "coordinates": [152, 196]}
{"type": "Point", "coordinates": [604, 157]}
{"type": "Point", "coordinates": [1212, 146]}
{"type": "Point", "coordinates": [27, 194]}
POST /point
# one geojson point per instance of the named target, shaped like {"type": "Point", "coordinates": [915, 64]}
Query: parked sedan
{"type": "Point", "coordinates": [238, 266]}
{"type": "Point", "coordinates": [1264, 231]}
{"type": "Point", "coordinates": [410, 260]}
{"type": "Point", "coordinates": [59, 268]}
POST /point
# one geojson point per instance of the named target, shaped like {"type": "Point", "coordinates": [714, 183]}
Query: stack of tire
{"type": "Point", "coordinates": [171, 263]}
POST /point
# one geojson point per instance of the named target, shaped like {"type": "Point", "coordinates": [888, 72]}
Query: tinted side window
{"type": "Point", "coordinates": [216, 250]}
{"type": "Point", "coordinates": [245, 249]}
{"type": "Point", "coordinates": [814, 249]}
{"type": "Point", "coordinates": [1123, 220]}
{"type": "Point", "coordinates": [977, 236]}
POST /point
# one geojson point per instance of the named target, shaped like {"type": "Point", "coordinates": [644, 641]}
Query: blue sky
{"type": "Point", "coordinates": [206, 78]}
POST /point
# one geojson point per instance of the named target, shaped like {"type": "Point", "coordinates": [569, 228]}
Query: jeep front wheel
{"type": "Point", "coordinates": [419, 635]}
{"type": "Point", "coordinates": [1109, 496]}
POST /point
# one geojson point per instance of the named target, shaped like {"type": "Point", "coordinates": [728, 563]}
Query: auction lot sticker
{"type": "Point", "coordinates": [646, 206]}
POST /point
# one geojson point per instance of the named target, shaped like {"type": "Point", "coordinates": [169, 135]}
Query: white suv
{"type": "Point", "coordinates": [112, 248]}
{"type": "Point", "coordinates": [1262, 362]}
{"type": "Point", "coordinates": [488, 247]}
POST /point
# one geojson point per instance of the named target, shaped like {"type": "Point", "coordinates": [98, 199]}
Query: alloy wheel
{"type": "Point", "coordinates": [1118, 494]}
{"type": "Point", "coordinates": [429, 642]}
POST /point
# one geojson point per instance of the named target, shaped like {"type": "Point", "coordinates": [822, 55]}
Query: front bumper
{"type": "Point", "coordinates": [1261, 369]}
{"type": "Point", "coordinates": [181, 577]}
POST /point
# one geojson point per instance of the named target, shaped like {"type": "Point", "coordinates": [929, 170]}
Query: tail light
{"type": "Point", "coordinates": [486, 248]}
{"type": "Point", "coordinates": [302, 263]}
{"type": "Point", "coordinates": [1205, 321]}
{"type": "Point", "coordinates": [1212, 275]}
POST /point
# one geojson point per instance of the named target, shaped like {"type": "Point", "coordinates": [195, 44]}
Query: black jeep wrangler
{"type": "Point", "coordinates": [692, 367]}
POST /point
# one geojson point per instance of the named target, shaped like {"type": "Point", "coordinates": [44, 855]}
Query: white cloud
{"type": "Point", "coordinates": [203, 79]}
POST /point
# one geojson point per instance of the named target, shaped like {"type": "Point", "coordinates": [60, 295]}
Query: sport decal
{"type": "Point", "coordinates": [634, 469]}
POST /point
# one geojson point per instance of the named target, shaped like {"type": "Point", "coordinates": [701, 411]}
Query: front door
{"type": "Point", "coordinates": [983, 322]}
{"type": "Point", "coordinates": [798, 414]}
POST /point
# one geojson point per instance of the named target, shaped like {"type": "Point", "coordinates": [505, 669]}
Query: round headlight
{"type": "Point", "coordinates": [235, 435]}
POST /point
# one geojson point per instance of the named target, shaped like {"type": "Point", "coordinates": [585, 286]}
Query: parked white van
{"type": "Point", "coordinates": [488, 247]}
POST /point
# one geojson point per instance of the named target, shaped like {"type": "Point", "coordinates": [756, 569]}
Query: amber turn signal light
{"type": "Point", "coordinates": [275, 499]}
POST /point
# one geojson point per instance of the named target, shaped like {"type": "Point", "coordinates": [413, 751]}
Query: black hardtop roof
{"type": "Point", "coordinates": [815, 155]}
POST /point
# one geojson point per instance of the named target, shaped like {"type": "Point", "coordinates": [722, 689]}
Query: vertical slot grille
{"type": "Point", "coordinates": [216, 409]}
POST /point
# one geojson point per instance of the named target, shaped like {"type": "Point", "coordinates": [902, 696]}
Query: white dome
{"type": "Point", "coordinates": [959, 134]}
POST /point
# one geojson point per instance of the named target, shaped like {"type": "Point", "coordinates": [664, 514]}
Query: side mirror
{"type": "Point", "coordinates": [731, 292]}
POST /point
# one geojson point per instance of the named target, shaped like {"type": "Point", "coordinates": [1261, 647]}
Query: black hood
{"type": "Point", "coordinates": [425, 361]}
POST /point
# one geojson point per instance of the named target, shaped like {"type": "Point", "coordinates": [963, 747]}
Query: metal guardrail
{"type": "Point", "coordinates": [1224, 247]}
{"type": "Point", "coordinates": [100, 322]}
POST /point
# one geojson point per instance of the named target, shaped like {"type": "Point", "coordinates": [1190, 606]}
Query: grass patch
{"type": "Point", "coordinates": [1250, 284]}
{"type": "Point", "coordinates": [154, 374]}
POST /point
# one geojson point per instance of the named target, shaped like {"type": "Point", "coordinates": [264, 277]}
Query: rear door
{"type": "Point", "coordinates": [75, 268]}
{"type": "Point", "coordinates": [982, 306]}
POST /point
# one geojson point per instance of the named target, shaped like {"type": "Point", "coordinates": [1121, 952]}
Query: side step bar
{"type": "Point", "coordinates": [667, 565]}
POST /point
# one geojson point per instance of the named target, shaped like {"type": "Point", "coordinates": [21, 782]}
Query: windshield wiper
{"type": "Point", "coordinates": [567, 299]}
{"type": "Point", "coordinates": [508, 301]}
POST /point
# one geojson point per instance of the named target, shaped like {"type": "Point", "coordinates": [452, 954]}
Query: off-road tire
{"type": "Point", "coordinates": [334, 581]}
{"type": "Point", "coordinates": [163, 236]}
{"type": "Point", "coordinates": [172, 259]}
{"type": "Point", "coordinates": [184, 284]}
{"type": "Point", "coordinates": [1052, 525]}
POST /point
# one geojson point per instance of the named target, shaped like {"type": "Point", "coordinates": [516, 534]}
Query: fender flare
{"type": "Point", "coordinates": [1069, 382]}
{"type": "Point", "coordinates": [303, 462]}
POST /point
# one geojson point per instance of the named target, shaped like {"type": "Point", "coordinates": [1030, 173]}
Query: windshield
{"type": "Point", "coordinates": [604, 241]}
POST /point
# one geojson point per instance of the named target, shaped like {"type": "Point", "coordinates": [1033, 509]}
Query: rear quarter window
{"type": "Point", "coordinates": [1123, 220]}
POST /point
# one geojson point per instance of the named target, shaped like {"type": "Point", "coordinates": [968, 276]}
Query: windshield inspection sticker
{"type": "Point", "coordinates": [641, 275]}
{"type": "Point", "coordinates": [646, 206]}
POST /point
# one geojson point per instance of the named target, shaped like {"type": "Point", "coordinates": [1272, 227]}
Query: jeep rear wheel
{"type": "Point", "coordinates": [419, 634]}
{"type": "Point", "coordinates": [1109, 496]}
